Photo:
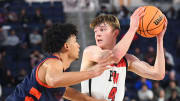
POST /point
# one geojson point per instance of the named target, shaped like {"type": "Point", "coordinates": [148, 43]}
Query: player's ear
{"type": "Point", "coordinates": [66, 46]}
{"type": "Point", "coordinates": [116, 32]}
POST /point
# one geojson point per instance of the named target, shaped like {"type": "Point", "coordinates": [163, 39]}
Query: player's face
{"type": "Point", "coordinates": [73, 47]}
{"type": "Point", "coordinates": [104, 35]}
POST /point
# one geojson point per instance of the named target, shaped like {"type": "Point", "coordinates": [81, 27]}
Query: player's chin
{"type": "Point", "coordinates": [77, 57]}
{"type": "Point", "coordinates": [99, 45]}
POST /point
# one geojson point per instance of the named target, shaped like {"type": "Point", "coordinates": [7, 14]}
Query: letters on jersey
{"type": "Point", "coordinates": [110, 85]}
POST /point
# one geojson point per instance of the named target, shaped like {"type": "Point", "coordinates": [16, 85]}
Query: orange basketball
{"type": "Point", "coordinates": [152, 22]}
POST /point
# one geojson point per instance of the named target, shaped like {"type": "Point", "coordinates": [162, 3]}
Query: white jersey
{"type": "Point", "coordinates": [110, 85]}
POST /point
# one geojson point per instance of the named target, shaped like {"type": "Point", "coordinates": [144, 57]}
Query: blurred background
{"type": "Point", "coordinates": [23, 23]}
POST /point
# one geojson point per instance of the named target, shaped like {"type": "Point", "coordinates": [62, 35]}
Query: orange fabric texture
{"type": "Point", "coordinates": [33, 91]}
{"type": "Point", "coordinates": [27, 98]}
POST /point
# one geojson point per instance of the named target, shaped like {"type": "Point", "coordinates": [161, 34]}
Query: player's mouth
{"type": "Point", "coordinates": [99, 40]}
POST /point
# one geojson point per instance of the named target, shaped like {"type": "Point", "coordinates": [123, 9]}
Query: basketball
{"type": "Point", "coordinates": [152, 23]}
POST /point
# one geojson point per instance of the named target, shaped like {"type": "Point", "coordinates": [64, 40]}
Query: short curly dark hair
{"type": "Point", "coordinates": [56, 36]}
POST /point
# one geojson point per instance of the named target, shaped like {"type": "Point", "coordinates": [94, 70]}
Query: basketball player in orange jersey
{"type": "Point", "coordinates": [50, 78]}
{"type": "Point", "coordinates": [110, 85]}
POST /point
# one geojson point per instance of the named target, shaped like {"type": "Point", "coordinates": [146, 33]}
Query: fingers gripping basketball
{"type": "Point", "coordinates": [152, 23]}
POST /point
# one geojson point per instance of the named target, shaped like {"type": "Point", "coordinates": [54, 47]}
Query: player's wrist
{"type": "Point", "coordinates": [91, 73]}
{"type": "Point", "coordinates": [159, 38]}
{"type": "Point", "coordinates": [132, 30]}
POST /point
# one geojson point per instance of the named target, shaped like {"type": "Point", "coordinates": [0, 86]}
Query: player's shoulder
{"type": "Point", "coordinates": [130, 56]}
{"type": "Point", "coordinates": [91, 52]}
{"type": "Point", "coordinates": [53, 62]}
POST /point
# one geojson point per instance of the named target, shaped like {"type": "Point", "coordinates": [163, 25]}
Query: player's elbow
{"type": "Point", "coordinates": [50, 82]}
{"type": "Point", "coordinates": [159, 76]}
{"type": "Point", "coordinates": [162, 75]}
{"type": "Point", "coordinates": [118, 55]}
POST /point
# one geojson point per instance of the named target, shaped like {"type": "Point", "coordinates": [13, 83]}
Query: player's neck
{"type": "Point", "coordinates": [109, 47]}
{"type": "Point", "coordinates": [66, 61]}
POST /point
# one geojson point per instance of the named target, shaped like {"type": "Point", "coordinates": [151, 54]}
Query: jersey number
{"type": "Point", "coordinates": [112, 93]}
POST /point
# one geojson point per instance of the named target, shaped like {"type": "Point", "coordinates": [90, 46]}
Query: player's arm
{"type": "Point", "coordinates": [74, 95]}
{"type": "Point", "coordinates": [156, 72]}
{"type": "Point", "coordinates": [123, 45]}
{"type": "Point", "coordinates": [93, 55]}
{"type": "Point", "coordinates": [55, 77]}
{"type": "Point", "coordinates": [145, 70]}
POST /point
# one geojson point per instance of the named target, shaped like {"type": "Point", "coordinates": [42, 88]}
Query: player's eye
{"type": "Point", "coordinates": [95, 31]}
{"type": "Point", "coordinates": [102, 29]}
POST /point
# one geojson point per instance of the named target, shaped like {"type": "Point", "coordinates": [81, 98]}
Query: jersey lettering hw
{"type": "Point", "coordinates": [110, 85]}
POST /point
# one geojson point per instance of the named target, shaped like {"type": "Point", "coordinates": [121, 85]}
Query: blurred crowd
{"type": "Point", "coordinates": [21, 30]}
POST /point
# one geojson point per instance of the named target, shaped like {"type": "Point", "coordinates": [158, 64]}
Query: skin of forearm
{"type": "Point", "coordinates": [160, 59]}
{"type": "Point", "coordinates": [71, 78]}
{"type": "Point", "coordinates": [157, 71]}
{"type": "Point", "coordinates": [74, 95]}
{"type": "Point", "coordinates": [122, 47]}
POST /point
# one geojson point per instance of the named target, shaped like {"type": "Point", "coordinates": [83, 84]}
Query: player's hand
{"type": "Point", "coordinates": [135, 18]}
{"type": "Point", "coordinates": [161, 35]}
{"type": "Point", "coordinates": [106, 56]}
{"type": "Point", "coordinates": [99, 68]}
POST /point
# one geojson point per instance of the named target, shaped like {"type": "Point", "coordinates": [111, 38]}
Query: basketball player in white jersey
{"type": "Point", "coordinates": [110, 85]}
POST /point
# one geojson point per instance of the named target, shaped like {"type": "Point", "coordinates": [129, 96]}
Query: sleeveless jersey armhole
{"type": "Point", "coordinates": [36, 73]}
{"type": "Point", "coordinates": [126, 63]}
{"type": "Point", "coordinates": [90, 82]}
